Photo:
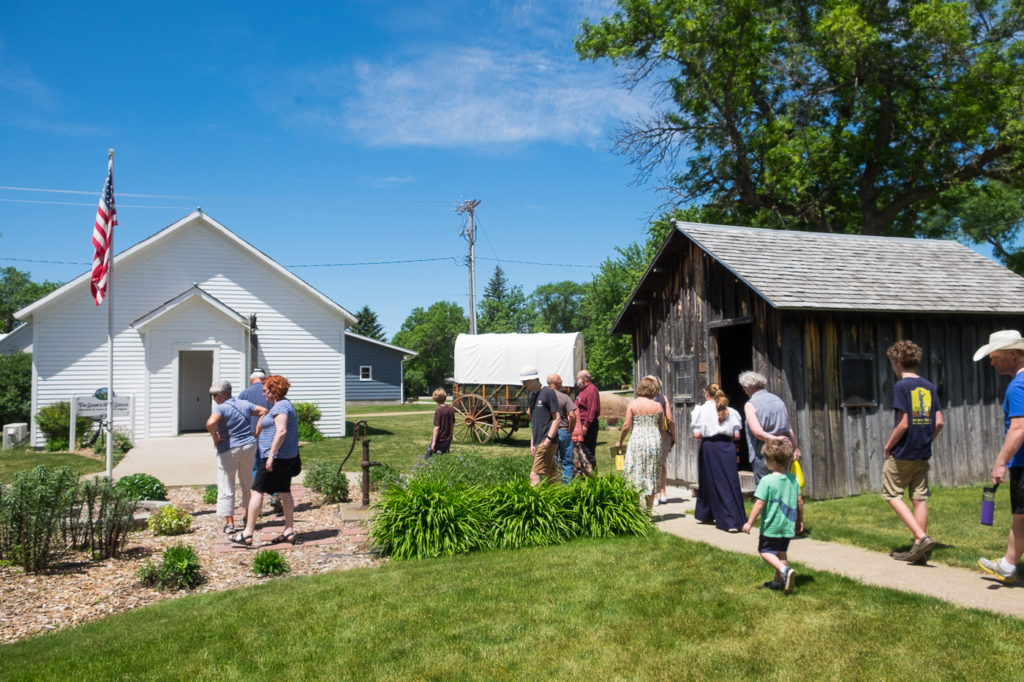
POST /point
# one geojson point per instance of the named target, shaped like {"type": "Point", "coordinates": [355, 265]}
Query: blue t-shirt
{"type": "Point", "coordinates": [290, 446]}
{"type": "Point", "coordinates": [918, 399]}
{"type": "Point", "coordinates": [779, 493]}
{"type": "Point", "coordinates": [254, 394]}
{"type": "Point", "coordinates": [233, 426]}
{"type": "Point", "coordinates": [1013, 406]}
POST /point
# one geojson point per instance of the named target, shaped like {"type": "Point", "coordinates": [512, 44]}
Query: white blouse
{"type": "Point", "coordinates": [704, 420]}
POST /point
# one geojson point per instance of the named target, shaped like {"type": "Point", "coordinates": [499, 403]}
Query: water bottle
{"type": "Point", "coordinates": [988, 505]}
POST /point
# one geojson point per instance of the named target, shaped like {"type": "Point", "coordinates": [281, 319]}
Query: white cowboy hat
{"type": "Point", "coordinates": [1006, 339]}
{"type": "Point", "coordinates": [528, 373]}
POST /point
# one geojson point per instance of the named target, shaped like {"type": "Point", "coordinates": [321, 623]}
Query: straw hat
{"type": "Point", "coordinates": [1007, 339]}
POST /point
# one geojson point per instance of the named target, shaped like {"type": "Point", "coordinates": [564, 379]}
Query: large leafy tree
{"type": "Point", "coordinates": [16, 389]}
{"type": "Point", "coordinates": [431, 333]}
{"type": "Point", "coordinates": [610, 358]}
{"type": "Point", "coordinates": [17, 290]}
{"type": "Point", "coordinates": [367, 324]}
{"type": "Point", "coordinates": [840, 116]}
{"type": "Point", "coordinates": [557, 307]}
{"type": "Point", "coordinates": [504, 309]}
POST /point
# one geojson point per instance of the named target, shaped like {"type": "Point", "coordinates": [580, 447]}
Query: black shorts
{"type": "Point", "coordinates": [767, 545]}
{"type": "Point", "coordinates": [277, 481]}
{"type": "Point", "coordinates": [1017, 490]}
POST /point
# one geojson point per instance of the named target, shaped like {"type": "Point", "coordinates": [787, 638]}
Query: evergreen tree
{"type": "Point", "coordinates": [367, 325]}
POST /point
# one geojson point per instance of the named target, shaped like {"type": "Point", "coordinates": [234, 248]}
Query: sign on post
{"type": "Point", "coordinates": [90, 406]}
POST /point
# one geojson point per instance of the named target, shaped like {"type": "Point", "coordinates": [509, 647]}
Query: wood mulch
{"type": "Point", "coordinates": [79, 590]}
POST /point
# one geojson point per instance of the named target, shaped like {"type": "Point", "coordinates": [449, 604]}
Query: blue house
{"type": "Point", "coordinates": [374, 370]}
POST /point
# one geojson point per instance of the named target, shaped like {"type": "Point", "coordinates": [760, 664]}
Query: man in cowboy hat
{"type": "Point", "coordinates": [1005, 350]}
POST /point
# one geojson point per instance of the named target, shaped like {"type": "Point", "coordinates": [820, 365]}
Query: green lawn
{"type": "Point", "coordinates": [356, 410]}
{"type": "Point", "coordinates": [631, 608]}
{"type": "Point", "coordinates": [401, 440]}
{"type": "Point", "coordinates": [13, 461]}
{"type": "Point", "coordinates": [868, 521]}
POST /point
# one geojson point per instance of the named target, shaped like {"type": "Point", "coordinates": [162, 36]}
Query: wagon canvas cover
{"type": "Point", "coordinates": [498, 358]}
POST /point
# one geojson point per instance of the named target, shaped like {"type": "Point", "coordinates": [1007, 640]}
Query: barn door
{"type": "Point", "coordinates": [195, 374]}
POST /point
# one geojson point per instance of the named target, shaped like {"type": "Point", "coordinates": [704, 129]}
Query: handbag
{"type": "Point", "coordinates": [797, 471]}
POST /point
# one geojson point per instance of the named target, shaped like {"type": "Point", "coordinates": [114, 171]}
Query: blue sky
{"type": "Point", "coordinates": [322, 133]}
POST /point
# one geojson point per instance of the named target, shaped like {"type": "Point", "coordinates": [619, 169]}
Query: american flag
{"type": "Point", "coordinates": [103, 236]}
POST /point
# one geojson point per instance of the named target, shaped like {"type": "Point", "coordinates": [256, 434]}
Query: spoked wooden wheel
{"type": "Point", "coordinates": [474, 419]}
{"type": "Point", "coordinates": [507, 425]}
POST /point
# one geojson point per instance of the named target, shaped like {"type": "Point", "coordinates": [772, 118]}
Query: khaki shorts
{"type": "Point", "coordinates": [905, 474]}
{"type": "Point", "coordinates": [544, 462]}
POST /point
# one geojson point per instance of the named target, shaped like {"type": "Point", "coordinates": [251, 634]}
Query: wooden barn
{"type": "Point", "coordinates": [815, 314]}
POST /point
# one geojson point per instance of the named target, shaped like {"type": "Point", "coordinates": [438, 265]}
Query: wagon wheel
{"type": "Point", "coordinates": [507, 425]}
{"type": "Point", "coordinates": [475, 419]}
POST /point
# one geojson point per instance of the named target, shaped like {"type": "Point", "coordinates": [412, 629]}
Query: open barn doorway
{"type": "Point", "coordinates": [733, 346]}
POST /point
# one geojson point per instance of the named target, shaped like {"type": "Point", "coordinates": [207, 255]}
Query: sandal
{"type": "Point", "coordinates": [230, 528]}
{"type": "Point", "coordinates": [240, 539]}
{"type": "Point", "coordinates": [288, 538]}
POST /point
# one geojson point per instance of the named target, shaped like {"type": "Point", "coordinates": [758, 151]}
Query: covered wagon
{"type": "Point", "coordinates": [489, 398]}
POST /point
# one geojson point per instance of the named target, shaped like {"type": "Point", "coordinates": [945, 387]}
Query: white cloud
{"type": "Point", "coordinates": [459, 98]}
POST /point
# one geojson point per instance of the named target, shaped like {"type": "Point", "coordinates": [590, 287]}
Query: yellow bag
{"type": "Point", "coordinates": [798, 472]}
{"type": "Point", "coordinates": [619, 455]}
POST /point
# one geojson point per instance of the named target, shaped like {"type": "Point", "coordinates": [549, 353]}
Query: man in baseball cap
{"type": "Point", "coordinates": [1005, 350]}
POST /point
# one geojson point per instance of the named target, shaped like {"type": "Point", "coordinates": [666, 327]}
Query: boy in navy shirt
{"type": "Point", "coordinates": [917, 419]}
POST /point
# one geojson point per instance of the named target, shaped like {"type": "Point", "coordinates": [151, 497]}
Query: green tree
{"type": "Point", "coordinates": [504, 309]}
{"type": "Point", "coordinates": [431, 333]}
{"type": "Point", "coordinates": [16, 389]}
{"type": "Point", "coordinates": [17, 290]}
{"type": "Point", "coordinates": [843, 116]}
{"type": "Point", "coordinates": [367, 325]}
{"type": "Point", "coordinates": [610, 358]}
{"type": "Point", "coordinates": [557, 307]}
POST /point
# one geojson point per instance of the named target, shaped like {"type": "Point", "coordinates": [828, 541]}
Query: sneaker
{"type": "Point", "coordinates": [772, 585]}
{"type": "Point", "coordinates": [995, 569]}
{"type": "Point", "coordinates": [788, 578]}
{"type": "Point", "coordinates": [920, 549]}
{"type": "Point", "coordinates": [662, 498]}
{"type": "Point", "coordinates": [656, 502]}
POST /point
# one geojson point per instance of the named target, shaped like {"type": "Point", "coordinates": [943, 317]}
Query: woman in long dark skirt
{"type": "Point", "coordinates": [718, 426]}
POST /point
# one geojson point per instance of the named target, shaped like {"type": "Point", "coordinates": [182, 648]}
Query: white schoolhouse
{"type": "Point", "coordinates": [192, 303]}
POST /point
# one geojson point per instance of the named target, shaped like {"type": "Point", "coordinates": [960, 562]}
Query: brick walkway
{"type": "Point", "coordinates": [271, 525]}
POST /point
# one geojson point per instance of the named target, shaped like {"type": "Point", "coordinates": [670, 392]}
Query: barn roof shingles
{"type": "Point", "coordinates": [814, 270]}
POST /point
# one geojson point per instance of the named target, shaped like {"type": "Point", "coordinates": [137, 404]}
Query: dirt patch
{"type": "Point", "coordinates": [80, 590]}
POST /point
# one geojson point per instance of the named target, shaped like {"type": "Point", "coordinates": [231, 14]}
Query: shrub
{"type": "Point", "coordinates": [55, 420]}
{"type": "Point", "coordinates": [36, 516]}
{"type": "Point", "coordinates": [603, 506]}
{"type": "Point", "coordinates": [269, 562]}
{"type": "Point", "coordinates": [16, 392]}
{"type": "Point", "coordinates": [210, 494]}
{"type": "Point", "coordinates": [308, 415]}
{"type": "Point", "coordinates": [122, 444]}
{"type": "Point", "coordinates": [429, 518]}
{"type": "Point", "coordinates": [469, 469]}
{"type": "Point", "coordinates": [107, 517]}
{"type": "Point", "coordinates": [384, 476]}
{"type": "Point", "coordinates": [178, 570]}
{"type": "Point", "coordinates": [324, 479]}
{"type": "Point", "coordinates": [170, 521]}
{"type": "Point", "coordinates": [526, 516]}
{"type": "Point", "coordinates": [143, 487]}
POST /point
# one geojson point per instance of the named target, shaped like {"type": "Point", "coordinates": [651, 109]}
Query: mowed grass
{"type": "Point", "coordinates": [13, 461]}
{"type": "Point", "coordinates": [401, 439]}
{"type": "Point", "coordinates": [630, 608]}
{"type": "Point", "coordinates": [953, 522]}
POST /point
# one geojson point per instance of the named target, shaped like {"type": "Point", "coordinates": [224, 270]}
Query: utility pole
{"type": "Point", "coordinates": [469, 232]}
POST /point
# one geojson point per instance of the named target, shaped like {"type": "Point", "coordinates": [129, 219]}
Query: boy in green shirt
{"type": "Point", "coordinates": [778, 495]}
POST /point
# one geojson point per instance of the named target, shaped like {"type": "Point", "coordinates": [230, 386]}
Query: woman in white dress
{"type": "Point", "coordinates": [646, 419]}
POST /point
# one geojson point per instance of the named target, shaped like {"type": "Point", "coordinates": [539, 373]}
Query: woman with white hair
{"type": "Point", "coordinates": [229, 426]}
{"type": "Point", "coordinates": [767, 419]}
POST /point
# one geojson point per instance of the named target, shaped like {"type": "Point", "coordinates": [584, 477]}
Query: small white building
{"type": "Point", "coordinates": [192, 303]}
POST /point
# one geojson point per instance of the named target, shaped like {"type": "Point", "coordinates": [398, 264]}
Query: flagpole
{"type": "Point", "coordinates": [110, 342]}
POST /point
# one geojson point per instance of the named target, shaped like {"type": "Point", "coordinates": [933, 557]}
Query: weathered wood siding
{"type": "Point", "coordinates": [690, 294]}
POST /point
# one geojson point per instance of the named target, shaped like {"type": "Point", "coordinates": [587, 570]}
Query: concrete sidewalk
{"type": "Point", "coordinates": [960, 586]}
{"type": "Point", "coordinates": [188, 459]}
